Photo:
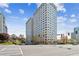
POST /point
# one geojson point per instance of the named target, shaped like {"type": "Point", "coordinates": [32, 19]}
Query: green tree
{"type": "Point", "coordinates": [4, 37]}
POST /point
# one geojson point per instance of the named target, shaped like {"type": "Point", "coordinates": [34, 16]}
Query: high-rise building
{"type": "Point", "coordinates": [3, 27]}
{"type": "Point", "coordinates": [75, 34]}
{"type": "Point", "coordinates": [42, 26]}
{"type": "Point", "coordinates": [29, 31]}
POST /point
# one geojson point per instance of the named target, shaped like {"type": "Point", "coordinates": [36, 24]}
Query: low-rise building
{"type": "Point", "coordinates": [59, 36]}
{"type": "Point", "coordinates": [64, 38]}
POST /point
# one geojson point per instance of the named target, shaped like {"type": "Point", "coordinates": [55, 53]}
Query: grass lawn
{"type": "Point", "coordinates": [7, 43]}
{"type": "Point", "coordinates": [17, 42]}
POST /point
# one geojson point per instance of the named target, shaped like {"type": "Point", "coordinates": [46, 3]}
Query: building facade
{"type": "Point", "coordinates": [42, 27]}
{"type": "Point", "coordinates": [3, 27]}
{"type": "Point", "coordinates": [75, 34]}
{"type": "Point", "coordinates": [29, 31]}
{"type": "Point", "coordinates": [64, 38]}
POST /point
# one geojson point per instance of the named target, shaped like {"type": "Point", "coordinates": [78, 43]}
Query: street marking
{"type": "Point", "coordinates": [20, 50]}
{"type": "Point", "coordinates": [3, 49]}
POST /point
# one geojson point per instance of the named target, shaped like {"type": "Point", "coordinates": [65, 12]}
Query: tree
{"type": "Point", "coordinates": [13, 36]}
{"type": "Point", "coordinates": [4, 37]}
{"type": "Point", "coordinates": [21, 38]}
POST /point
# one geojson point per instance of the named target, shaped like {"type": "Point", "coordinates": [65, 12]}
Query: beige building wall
{"type": "Point", "coordinates": [44, 24]}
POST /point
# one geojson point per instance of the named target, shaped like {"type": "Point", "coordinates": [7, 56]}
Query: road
{"type": "Point", "coordinates": [39, 50]}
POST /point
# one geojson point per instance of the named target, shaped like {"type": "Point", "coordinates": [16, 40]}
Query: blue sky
{"type": "Point", "coordinates": [17, 14]}
{"type": "Point", "coordinates": [68, 17]}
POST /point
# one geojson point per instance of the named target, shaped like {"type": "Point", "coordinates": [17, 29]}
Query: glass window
{"type": "Point", "coordinates": [76, 32]}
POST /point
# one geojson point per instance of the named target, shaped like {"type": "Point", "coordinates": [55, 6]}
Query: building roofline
{"type": "Point", "coordinates": [39, 8]}
{"type": "Point", "coordinates": [28, 20]}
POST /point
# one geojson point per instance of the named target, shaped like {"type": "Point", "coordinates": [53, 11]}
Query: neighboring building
{"type": "Point", "coordinates": [68, 35]}
{"type": "Point", "coordinates": [75, 34]}
{"type": "Point", "coordinates": [65, 34]}
{"type": "Point", "coordinates": [42, 27]}
{"type": "Point", "coordinates": [59, 36]}
{"type": "Point", "coordinates": [3, 27]}
{"type": "Point", "coordinates": [29, 31]}
{"type": "Point", "coordinates": [64, 38]}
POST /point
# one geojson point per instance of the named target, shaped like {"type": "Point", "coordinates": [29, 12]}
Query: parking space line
{"type": "Point", "coordinates": [20, 50]}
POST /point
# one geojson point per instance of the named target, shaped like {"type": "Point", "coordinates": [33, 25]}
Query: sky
{"type": "Point", "coordinates": [68, 17]}
{"type": "Point", "coordinates": [16, 15]}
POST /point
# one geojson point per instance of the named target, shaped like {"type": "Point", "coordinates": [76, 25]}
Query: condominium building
{"type": "Point", "coordinates": [3, 27]}
{"type": "Point", "coordinates": [75, 34]}
{"type": "Point", "coordinates": [42, 26]}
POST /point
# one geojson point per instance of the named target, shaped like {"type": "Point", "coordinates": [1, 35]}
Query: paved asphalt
{"type": "Point", "coordinates": [39, 50]}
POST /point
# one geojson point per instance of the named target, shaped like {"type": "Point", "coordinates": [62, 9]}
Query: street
{"type": "Point", "coordinates": [39, 50]}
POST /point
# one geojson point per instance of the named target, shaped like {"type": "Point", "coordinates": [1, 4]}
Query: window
{"type": "Point", "coordinates": [45, 27]}
{"type": "Point", "coordinates": [76, 32]}
{"type": "Point", "coordinates": [3, 17]}
{"type": "Point", "coordinates": [39, 35]}
{"type": "Point", "coordinates": [43, 35]}
{"type": "Point", "coordinates": [68, 33]}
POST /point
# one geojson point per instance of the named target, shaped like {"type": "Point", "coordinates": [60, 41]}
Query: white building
{"type": "Point", "coordinates": [29, 31]}
{"type": "Point", "coordinates": [58, 36]}
{"type": "Point", "coordinates": [43, 25]}
{"type": "Point", "coordinates": [75, 34]}
{"type": "Point", "coordinates": [3, 27]}
{"type": "Point", "coordinates": [68, 35]}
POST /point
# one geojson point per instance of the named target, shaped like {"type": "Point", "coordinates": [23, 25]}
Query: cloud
{"type": "Point", "coordinates": [61, 27]}
{"type": "Point", "coordinates": [60, 7]}
{"type": "Point", "coordinates": [25, 18]}
{"type": "Point", "coordinates": [4, 5]}
{"type": "Point", "coordinates": [29, 4]}
{"type": "Point", "coordinates": [72, 20]}
{"type": "Point", "coordinates": [38, 5]}
{"type": "Point", "coordinates": [61, 24]}
{"type": "Point", "coordinates": [21, 11]}
{"type": "Point", "coordinates": [61, 19]}
{"type": "Point", "coordinates": [14, 17]}
{"type": "Point", "coordinates": [73, 15]}
{"type": "Point", "coordinates": [7, 11]}
{"type": "Point", "coordinates": [15, 29]}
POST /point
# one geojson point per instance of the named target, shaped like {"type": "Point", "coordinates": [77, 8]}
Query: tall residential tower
{"type": "Point", "coordinates": [75, 35]}
{"type": "Point", "coordinates": [42, 26]}
{"type": "Point", "coordinates": [3, 27]}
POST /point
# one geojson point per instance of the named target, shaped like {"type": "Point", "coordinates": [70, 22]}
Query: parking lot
{"type": "Point", "coordinates": [39, 50]}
